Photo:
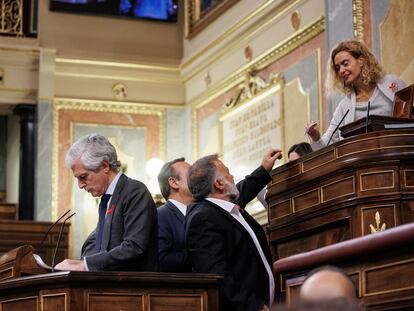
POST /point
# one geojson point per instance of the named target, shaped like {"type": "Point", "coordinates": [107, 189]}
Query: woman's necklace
{"type": "Point", "coordinates": [365, 95]}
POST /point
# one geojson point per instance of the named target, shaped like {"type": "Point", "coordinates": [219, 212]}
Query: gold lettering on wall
{"type": "Point", "coordinates": [252, 132]}
{"type": "Point", "coordinates": [251, 128]}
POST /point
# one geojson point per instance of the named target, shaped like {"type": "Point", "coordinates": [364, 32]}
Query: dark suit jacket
{"type": "Point", "coordinates": [172, 254]}
{"type": "Point", "coordinates": [218, 243]}
{"type": "Point", "coordinates": [130, 234]}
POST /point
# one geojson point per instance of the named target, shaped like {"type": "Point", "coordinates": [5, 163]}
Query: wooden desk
{"type": "Point", "coordinates": [340, 192]}
{"type": "Point", "coordinates": [102, 291]}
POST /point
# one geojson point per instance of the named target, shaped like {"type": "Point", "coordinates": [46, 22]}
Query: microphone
{"type": "Point", "coordinates": [337, 127]}
{"type": "Point", "coordinates": [366, 124]}
{"type": "Point", "coordinates": [58, 241]}
{"type": "Point", "coordinates": [50, 228]}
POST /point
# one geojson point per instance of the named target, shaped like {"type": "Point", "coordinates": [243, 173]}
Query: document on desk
{"type": "Point", "coordinates": [41, 263]}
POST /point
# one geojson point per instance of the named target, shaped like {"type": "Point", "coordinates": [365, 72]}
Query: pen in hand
{"type": "Point", "coordinates": [310, 126]}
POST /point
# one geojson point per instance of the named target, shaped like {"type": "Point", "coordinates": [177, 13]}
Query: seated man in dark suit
{"type": "Point", "coordinates": [126, 237]}
{"type": "Point", "coordinates": [172, 254]}
{"type": "Point", "coordinates": [224, 239]}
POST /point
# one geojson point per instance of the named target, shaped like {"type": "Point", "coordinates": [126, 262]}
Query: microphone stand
{"type": "Point", "coordinates": [340, 122]}
{"type": "Point", "coordinates": [58, 241]}
{"type": "Point", "coordinates": [366, 124]}
{"type": "Point", "coordinates": [50, 228]}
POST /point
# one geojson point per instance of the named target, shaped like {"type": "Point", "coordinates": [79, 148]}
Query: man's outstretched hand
{"type": "Point", "coordinates": [270, 158]}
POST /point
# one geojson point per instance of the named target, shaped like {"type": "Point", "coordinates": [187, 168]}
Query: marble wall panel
{"type": "Point", "coordinates": [397, 29]}
{"type": "Point", "coordinates": [67, 118]}
{"type": "Point", "coordinates": [339, 28]}
{"type": "Point", "coordinates": [179, 134]}
{"type": "Point", "coordinates": [209, 137]}
{"type": "Point", "coordinates": [13, 163]}
{"type": "Point", "coordinates": [307, 71]}
{"type": "Point", "coordinates": [339, 22]}
{"type": "Point", "coordinates": [297, 112]}
{"type": "Point", "coordinates": [379, 11]}
{"type": "Point", "coordinates": [206, 125]}
{"type": "Point", "coordinates": [130, 144]}
{"type": "Point", "coordinates": [303, 64]}
{"type": "Point", "coordinates": [307, 63]}
{"type": "Point", "coordinates": [43, 185]}
{"type": "Point", "coordinates": [3, 153]}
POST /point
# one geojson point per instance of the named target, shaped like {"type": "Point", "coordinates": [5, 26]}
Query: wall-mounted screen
{"type": "Point", "coordinates": [164, 10]}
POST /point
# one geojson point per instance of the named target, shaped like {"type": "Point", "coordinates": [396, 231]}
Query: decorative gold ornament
{"type": "Point", "coordinates": [377, 222]}
{"type": "Point", "coordinates": [248, 53]}
{"type": "Point", "coordinates": [11, 17]}
{"type": "Point", "coordinates": [268, 58]}
{"type": "Point", "coordinates": [295, 20]}
{"type": "Point", "coordinates": [251, 86]}
{"type": "Point", "coordinates": [358, 19]}
{"type": "Point", "coordinates": [119, 91]}
{"type": "Point", "coordinates": [207, 79]}
{"type": "Point", "coordinates": [158, 199]}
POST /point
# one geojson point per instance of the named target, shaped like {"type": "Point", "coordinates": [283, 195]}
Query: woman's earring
{"type": "Point", "coordinates": [365, 74]}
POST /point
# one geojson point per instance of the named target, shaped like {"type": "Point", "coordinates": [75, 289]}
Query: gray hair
{"type": "Point", "coordinates": [166, 172]}
{"type": "Point", "coordinates": [92, 150]}
{"type": "Point", "coordinates": [201, 177]}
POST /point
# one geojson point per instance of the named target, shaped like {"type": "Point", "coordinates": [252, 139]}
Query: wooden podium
{"type": "Point", "coordinates": [373, 124]}
{"type": "Point", "coordinates": [347, 190]}
{"type": "Point", "coordinates": [15, 232]}
{"type": "Point", "coordinates": [402, 116]}
{"type": "Point", "coordinates": [19, 262]}
{"type": "Point", "coordinates": [24, 286]}
{"type": "Point", "coordinates": [101, 291]}
{"type": "Point", "coordinates": [351, 189]}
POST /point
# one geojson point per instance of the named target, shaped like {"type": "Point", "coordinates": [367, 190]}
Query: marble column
{"type": "Point", "coordinates": [44, 210]}
{"type": "Point", "coordinates": [27, 115]}
{"type": "Point", "coordinates": [339, 27]}
{"type": "Point", "coordinates": [178, 134]}
{"type": "Point", "coordinates": [3, 153]}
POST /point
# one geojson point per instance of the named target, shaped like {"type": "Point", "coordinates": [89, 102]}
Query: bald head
{"type": "Point", "coordinates": [327, 285]}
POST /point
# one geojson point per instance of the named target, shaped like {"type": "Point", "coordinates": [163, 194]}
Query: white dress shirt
{"type": "Point", "coordinates": [181, 207]}
{"type": "Point", "coordinates": [111, 188]}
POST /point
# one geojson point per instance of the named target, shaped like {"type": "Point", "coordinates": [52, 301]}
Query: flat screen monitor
{"type": "Point", "coordinates": [163, 10]}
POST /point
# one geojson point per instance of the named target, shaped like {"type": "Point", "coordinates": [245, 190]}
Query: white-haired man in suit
{"type": "Point", "coordinates": [126, 237]}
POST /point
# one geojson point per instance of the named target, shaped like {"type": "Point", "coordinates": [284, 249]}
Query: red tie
{"type": "Point", "coordinates": [239, 208]}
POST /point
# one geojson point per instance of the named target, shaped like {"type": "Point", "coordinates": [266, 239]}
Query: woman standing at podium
{"type": "Point", "coordinates": [355, 72]}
